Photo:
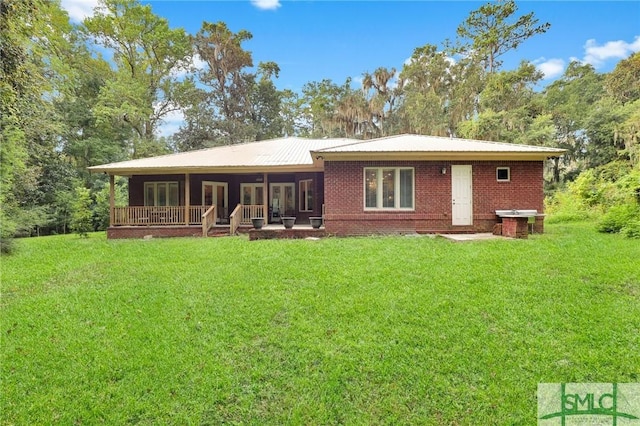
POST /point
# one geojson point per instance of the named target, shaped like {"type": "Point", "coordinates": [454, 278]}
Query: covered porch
{"type": "Point", "coordinates": [223, 186]}
{"type": "Point", "coordinates": [195, 203]}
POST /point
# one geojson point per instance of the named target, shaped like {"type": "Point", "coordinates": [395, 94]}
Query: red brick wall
{"type": "Point", "coordinates": [515, 227]}
{"type": "Point", "coordinates": [117, 232]}
{"type": "Point", "coordinates": [344, 196]}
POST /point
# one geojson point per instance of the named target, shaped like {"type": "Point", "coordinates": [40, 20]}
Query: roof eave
{"type": "Point", "coordinates": [435, 156]}
{"type": "Point", "coordinates": [128, 171]}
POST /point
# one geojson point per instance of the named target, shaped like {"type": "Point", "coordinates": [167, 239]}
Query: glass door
{"type": "Point", "coordinates": [216, 194]}
{"type": "Point", "coordinates": [283, 202]}
{"type": "Point", "coordinates": [252, 194]}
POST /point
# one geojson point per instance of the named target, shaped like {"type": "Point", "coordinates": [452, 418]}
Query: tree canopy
{"type": "Point", "coordinates": [65, 107]}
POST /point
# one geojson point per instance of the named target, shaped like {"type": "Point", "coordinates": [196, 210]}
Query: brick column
{"type": "Point", "coordinates": [515, 227]}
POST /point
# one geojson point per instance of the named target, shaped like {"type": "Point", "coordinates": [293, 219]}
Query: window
{"type": "Point", "coordinates": [306, 195]}
{"type": "Point", "coordinates": [161, 194]}
{"type": "Point", "coordinates": [388, 188]}
{"type": "Point", "coordinates": [503, 174]}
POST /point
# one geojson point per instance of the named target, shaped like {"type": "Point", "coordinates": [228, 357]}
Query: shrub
{"type": "Point", "coordinates": [101, 207]}
{"type": "Point", "coordinates": [7, 232]}
{"type": "Point", "coordinates": [631, 230]}
{"type": "Point", "coordinates": [81, 220]}
{"type": "Point", "coordinates": [619, 217]}
{"type": "Point", "coordinates": [566, 206]}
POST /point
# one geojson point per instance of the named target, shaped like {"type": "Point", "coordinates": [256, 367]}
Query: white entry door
{"type": "Point", "coordinates": [461, 195]}
{"type": "Point", "coordinates": [216, 194]}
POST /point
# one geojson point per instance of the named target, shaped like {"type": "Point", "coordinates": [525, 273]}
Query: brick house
{"type": "Point", "coordinates": [397, 184]}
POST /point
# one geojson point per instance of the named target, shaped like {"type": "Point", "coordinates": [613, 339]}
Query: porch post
{"type": "Point", "coordinates": [187, 198]}
{"type": "Point", "coordinates": [265, 199]}
{"type": "Point", "coordinates": [112, 199]}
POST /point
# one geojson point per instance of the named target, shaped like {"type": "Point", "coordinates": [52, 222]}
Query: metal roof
{"type": "Point", "coordinates": [419, 143]}
{"type": "Point", "coordinates": [431, 148]}
{"type": "Point", "coordinates": [301, 154]}
{"type": "Point", "coordinates": [283, 153]}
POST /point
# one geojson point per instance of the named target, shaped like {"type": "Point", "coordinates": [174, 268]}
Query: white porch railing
{"type": "Point", "coordinates": [251, 210]}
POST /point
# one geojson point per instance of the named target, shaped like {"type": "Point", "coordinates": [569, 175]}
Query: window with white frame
{"type": "Point", "coordinates": [306, 195]}
{"type": "Point", "coordinates": [503, 174]}
{"type": "Point", "coordinates": [388, 188]}
{"type": "Point", "coordinates": [161, 194]}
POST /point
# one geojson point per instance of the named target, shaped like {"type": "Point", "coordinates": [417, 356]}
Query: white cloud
{"type": "Point", "coordinates": [597, 55]}
{"type": "Point", "coordinates": [171, 123]}
{"type": "Point", "coordinates": [551, 68]}
{"type": "Point", "coordinates": [194, 64]}
{"type": "Point", "coordinates": [79, 9]}
{"type": "Point", "coordinates": [198, 62]}
{"type": "Point", "coordinates": [266, 4]}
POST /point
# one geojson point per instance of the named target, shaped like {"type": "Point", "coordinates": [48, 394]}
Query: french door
{"type": "Point", "coordinates": [216, 194]}
{"type": "Point", "coordinates": [283, 200]}
{"type": "Point", "coordinates": [252, 194]}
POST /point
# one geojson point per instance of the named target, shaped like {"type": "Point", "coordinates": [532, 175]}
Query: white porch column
{"type": "Point", "coordinates": [187, 198]}
{"type": "Point", "coordinates": [112, 199]}
{"type": "Point", "coordinates": [265, 199]}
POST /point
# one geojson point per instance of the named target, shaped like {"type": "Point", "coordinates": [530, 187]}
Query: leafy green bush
{"type": "Point", "coordinates": [631, 230]}
{"type": "Point", "coordinates": [81, 220]}
{"type": "Point", "coordinates": [567, 206]}
{"type": "Point", "coordinates": [596, 191]}
{"type": "Point", "coordinates": [587, 188]}
{"type": "Point", "coordinates": [619, 217]}
{"type": "Point", "coordinates": [7, 232]}
{"type": "Point", "coordinates": [101, 206]}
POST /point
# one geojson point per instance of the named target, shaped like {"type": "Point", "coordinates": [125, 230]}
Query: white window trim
{"type": "Point", "coordinates": [155, 191]}
{"type": "Point", "coordinates": [508, 169]}
{"type": "Point", "coordinates": [308, 183]}
{"type": "Point", "coordinates": [396, 189]}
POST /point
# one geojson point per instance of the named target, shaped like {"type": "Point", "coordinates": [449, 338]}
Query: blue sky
{"type": "Point", "coordinates": [313, 40]}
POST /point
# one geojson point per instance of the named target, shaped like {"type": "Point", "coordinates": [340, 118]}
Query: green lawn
{"type": "Point", "coordinates": [386, 330]}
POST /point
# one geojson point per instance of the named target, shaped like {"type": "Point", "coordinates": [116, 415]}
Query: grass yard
{"type": "Point", "coordinates": [380, 330]}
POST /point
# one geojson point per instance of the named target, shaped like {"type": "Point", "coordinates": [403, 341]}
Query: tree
{"type": "Point", "coordinates": [629, 133]}
{"type": "Point", "coordinates": [506, 108]}
{"type": "Point", "coordinates": [222, 50]}
{"type": "Point", "coordinates": [382, 96]}
{"type": "Point", "coordinates": [35, 34]}
{"type": "Point", "coordinates": [319, 105]}
{"type": "Point", "coordinates": [623, 83]}
{"type": "Point", "coordinates": [493, 29]}
{"type": "Point", "coordinates": [148, 56]}
{"type": "Point", "coordinates": [266, 100]}
{"type": "Point", "coordinates": [235, 105]}
{"type": "Point", "coordinates": [569, 100]}
{"type": "Point", "coordinates": [86, 140]}
{"type": "Point", "coordinates": [439, 92]}
{"type": "Point", "coordinates": [81, 221]}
